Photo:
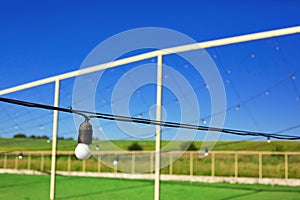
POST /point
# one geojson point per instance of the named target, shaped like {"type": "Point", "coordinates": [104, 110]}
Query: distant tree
{"type": "Point", "coordinates": [44, 137]}
{"type": "Point", "coordinates": [188, 146]}
{"type": "Point", "coordinates": [20, 135]}
{"type": "Point", "coordinates": [135, 147]}
{"type": "Point", "coordinates": [32, 136]}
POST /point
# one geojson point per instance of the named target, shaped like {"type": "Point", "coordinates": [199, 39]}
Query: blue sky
{"type": "Point", "coordinates": [42, 39]}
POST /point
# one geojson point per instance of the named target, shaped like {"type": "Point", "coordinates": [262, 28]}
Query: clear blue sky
{"type": "Point", "coordinates": [42, 39]}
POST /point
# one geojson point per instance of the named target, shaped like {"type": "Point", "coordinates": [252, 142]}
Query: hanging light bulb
{"type": "Point", "coordinates": [20, 156]}
{"type": "Point", "coordinates": [293, 77]}
{"type": "Point", "coordinates": [116, 160]}
{"type": "Point", "coordinates": [268, 140]}
{"type": "Point", "coordinates": [85, 133]}
{"type": "Point", "coordinates": [97, 147]}
{"type": "Point", "coordinates": [206, 152]}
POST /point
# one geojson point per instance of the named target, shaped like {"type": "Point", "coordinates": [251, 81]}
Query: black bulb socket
{"type": "Point", "coordinates": [85, 133]}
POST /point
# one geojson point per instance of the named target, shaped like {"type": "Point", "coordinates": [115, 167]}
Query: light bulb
{"type": "Point", "coordinates": [293, 77]}
{"type": "Point", "coordinates": [20, 156]}
{"type": "Point", "coordinates": [116, 160]}
{"type": "Point", "coordinates": [115, 163]}
{"type": "Point", "coordinates": [83, 151]}
{"type": "Point", "coordinates": [206, 152]}
{"type": "Point", "coordinates": [85, 134]}
{"type": "Point", "coordinates": [268, 140]}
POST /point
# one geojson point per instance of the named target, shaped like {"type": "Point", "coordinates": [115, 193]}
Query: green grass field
{"type": "Point", "coordinates": [27, 144]}
{"type": "Point", "coordinates": [29, 187]}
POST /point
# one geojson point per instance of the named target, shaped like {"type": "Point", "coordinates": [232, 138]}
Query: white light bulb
{"type": "Point", "coordinates": [115, 163]}
{"type": "Point", "coordinates": [82, 151]}
{"type": "Point", "coordinates": [206, 152]}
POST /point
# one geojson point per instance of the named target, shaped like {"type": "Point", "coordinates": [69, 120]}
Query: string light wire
{"type": "Point", "coordinates": [88, 114]}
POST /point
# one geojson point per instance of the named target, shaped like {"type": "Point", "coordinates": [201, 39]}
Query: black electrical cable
{"type": "Point", "coordinates": [87, 115]}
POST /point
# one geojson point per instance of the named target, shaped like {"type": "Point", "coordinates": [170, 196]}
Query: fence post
{"type": "Point", "coordinates": [133, 162]}
{"type": "Point", "coordinates": [260, 164]}
{"type": "Point", "coordinates": [42, 162]}
{"type": "Point", "coordinates": [191, 164]}
{"type": "Point", "coordinates": [212, 164]}
{"type": "Point", "coordinates": [170, 164]}
{"type": "Point", "coordinates": [69, 163]}
{"type": "Point", "coordinates": [83, 165]}
{"type": "Point", "coordinates": [16, 162]}
{"type": "Point", "coordinates": [5, 161]}
{"type": "Point", "coordinates": [29, 162]}
{"type": "Point", "coordinates": [286, 165]}
{"type": "Point", "coordinates": [99, 163]}
{"type": "Point", "coordinates": [236, 165]}
{"type": "Point", "coordinates": [151, 162]}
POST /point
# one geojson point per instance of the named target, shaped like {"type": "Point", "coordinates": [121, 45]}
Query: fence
{"type": "Point", "coordinates": [217, 163]}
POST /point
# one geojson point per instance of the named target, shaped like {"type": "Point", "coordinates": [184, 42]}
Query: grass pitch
{"type": "Point", "coordinates": [37, 187]}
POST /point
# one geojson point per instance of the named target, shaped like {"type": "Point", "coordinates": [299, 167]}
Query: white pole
{"type": "Point", "coordinates": [158, 128]}
{"type": "Point", "coordinates": [54, 141]}
{"type": "Point", "coordinates": [172, 50]}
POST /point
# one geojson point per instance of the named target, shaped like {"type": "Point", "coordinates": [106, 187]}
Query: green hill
{"type": "Point", "coordinates": [30, 144]}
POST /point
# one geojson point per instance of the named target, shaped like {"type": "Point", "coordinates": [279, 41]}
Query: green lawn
{"type": "Point", "coordinates": [37, 187]}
